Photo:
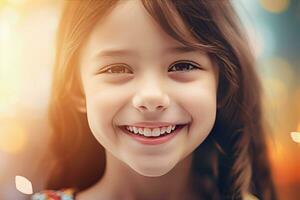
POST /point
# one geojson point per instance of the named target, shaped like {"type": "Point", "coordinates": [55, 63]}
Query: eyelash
{"type": "Point", "coordinates": [174, 65]}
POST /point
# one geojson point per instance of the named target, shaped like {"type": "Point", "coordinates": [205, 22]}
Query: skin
{"type": "Point", "coordinates": [146, 88]}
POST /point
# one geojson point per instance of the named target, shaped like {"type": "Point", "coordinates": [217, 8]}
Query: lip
{"type": "Point", "coordinates": [152, 141]}
{"type": "Point", "coordinates": [153, 124]}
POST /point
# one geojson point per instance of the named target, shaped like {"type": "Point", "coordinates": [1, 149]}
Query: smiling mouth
{"type": "Point", "coordinates": [177, 129]}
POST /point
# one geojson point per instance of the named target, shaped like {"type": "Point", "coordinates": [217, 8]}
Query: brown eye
{"type": "Point", "coordinates": [184, 66]}
{"type": "Point", "coordinates": [117, 69]}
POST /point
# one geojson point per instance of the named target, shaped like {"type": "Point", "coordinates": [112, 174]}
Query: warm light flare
{"type": "Point", "coordinates": [9, 59]}
{"type": "Point", "coordinates": [12, 138]}
{"type": "Point", "coordinates": [10, 15]}
{"type": "Point", "coordinates": [17, 2]}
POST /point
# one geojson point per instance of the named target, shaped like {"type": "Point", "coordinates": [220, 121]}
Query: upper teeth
{"type": "Point", "coordinates": [151, 131]}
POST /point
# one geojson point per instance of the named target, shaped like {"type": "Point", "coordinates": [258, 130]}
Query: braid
{"type": "Point", "coordinates": [223, 168]}
{"type": "Point", "coordinates": [262, 184]}
{"type": "Point", "coordinates": [234, 168]}
{"type": "Point", "coordinates": [239, 168]}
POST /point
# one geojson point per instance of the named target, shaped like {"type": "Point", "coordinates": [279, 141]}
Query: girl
{"type": "Point", "coordinates": [155, 100]}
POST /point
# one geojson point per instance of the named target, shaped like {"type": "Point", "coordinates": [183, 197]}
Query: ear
{"type": "Point", "coordinates": [80, 103]}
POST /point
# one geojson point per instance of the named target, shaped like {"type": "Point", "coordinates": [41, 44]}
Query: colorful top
{"type": "Point", "coordinates": [63, 194]}
{"type": "Point", "coordinates": [70, 193]}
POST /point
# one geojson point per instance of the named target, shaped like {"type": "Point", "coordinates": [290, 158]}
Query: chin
{"type": "Point", "coordinates": [152, 171]}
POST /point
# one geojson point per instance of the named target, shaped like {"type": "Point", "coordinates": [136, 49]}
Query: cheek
{"type": "Point", "coordinates": [102, 105]}
{"type": "Point", "coordinates": [200, 102]}
{"type": "Point", "coordinates": [201, 105]}
{"type": "Point", "coordinates": [199, 98]}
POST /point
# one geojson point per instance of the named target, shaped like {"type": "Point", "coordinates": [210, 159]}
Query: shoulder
{"type": "Point", "coordinates": [63, 194]}
{"type": "Point", "coordinates": [249, 196]}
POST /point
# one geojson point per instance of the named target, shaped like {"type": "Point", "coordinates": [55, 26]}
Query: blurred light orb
{"type": "Point", "coordinates": [275, 6]}
{"type": "Point", "coordinates": [295, 137]}
{"type": "Point", "coordinates": [276, 89]}
{"type": "Point", "coordinates": [279, 68]}
{"type": "Point", "coordinates": [23, 185]}
{"type": "Point", "coordinates": [12, 138]}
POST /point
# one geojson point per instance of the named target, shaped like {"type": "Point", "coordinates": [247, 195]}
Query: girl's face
{"type": "Point", "coordinates": [129, 75]}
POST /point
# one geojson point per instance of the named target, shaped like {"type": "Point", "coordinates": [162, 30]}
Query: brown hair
{"type": "Point", "coordinates": [235, 151]}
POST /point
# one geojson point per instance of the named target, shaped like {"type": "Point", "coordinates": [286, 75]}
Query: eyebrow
{"type": "Point", "coordinates": [127, 52]}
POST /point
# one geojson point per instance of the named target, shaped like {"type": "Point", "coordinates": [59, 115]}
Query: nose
{"type": "Point", "coordinates": [151, 99]}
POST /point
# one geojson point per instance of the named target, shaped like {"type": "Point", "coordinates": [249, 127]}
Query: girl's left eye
{"type": "Point", "coordinates": [187, 66]}
{"type": "Point", "coordinates": [179, 66]}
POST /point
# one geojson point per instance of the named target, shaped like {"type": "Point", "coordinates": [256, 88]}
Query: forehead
{"type": "Point", "coordinates": [130, 25]}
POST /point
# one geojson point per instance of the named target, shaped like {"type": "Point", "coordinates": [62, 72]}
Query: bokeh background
{"type": "Point", "coordinates": [27, 37]}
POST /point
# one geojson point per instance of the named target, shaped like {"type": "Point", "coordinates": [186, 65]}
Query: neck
{"type": "Point", "coordinates": [121, 182]}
